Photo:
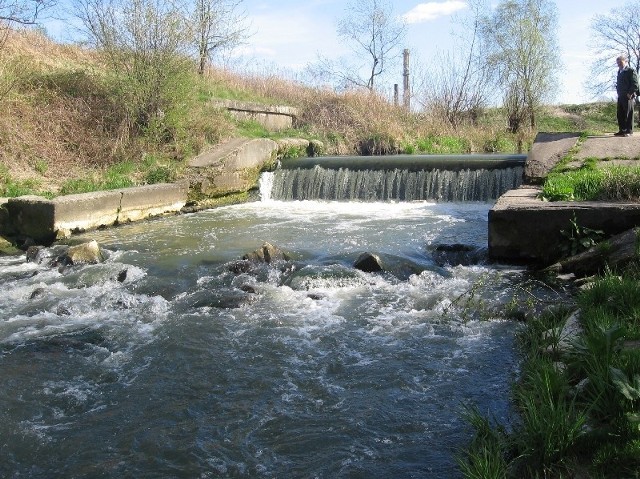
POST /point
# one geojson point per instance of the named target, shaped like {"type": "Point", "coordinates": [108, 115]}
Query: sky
{"type": "Point", "coordinates": [288, 35]}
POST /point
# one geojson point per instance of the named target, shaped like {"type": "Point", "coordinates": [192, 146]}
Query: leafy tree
{"type": "Point", "coordinates": [521, 44]}
{"type": "Point", "coordinates": [614, 33]}
{"type": "Point", "coordinates": [217, 25]}
{"type": "Point", "coordinates": [144, 43]}
{"type": "Point", "coordinates": [375, 35]}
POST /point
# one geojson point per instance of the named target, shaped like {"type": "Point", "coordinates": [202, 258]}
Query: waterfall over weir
{"type": "Point", "coordinates": [397, 177]}
{"type": "Point", "coordinates": [345, 184]}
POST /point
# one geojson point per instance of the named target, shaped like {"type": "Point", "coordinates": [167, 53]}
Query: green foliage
{"type": "Point", "coordinates": [590, 183]}
{"type": "Point", "coordinates": [552, 424]}
{"type": "Point", "coordinates": [252, 129]}
{"type": "Point", "coordinates": [41, 166]}
{"type": "Point", "coordinates": [579, 238]}
{"type": "Point", "coordinates": [500, 143]}
{"type": "Point", "coordinates": [160, 174]}
{"type": "Point", "coordinates": [11, 188]}
{"type": "Point", "coordinates": [79, 185]}
{"type": "Point", "coordinates": [586, 412]}
{"type": "Point", "coordinates": [486, 457]}
{"type": "Point", "coordinates": [442, 145]}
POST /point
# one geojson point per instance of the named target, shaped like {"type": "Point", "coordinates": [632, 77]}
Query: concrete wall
{"type": "Point", "coordinates": [46, 220]}
{"type": "Point", "coordinates": [523, 228]}
{"type": "Point", "coordinates": [272, 117]}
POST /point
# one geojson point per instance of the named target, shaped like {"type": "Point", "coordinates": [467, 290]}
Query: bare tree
{"type": "Point", "coordinates": [458, 86]}
{"type": "Point", "coordinates": [375, 35]}
{"type": "Point", "coordinates": [614, 33]}
{"type": "Point", "coordinates": [521, 39]}
{"type": "Point", "coordinates": [25, 12]}
{"type": "Point", "coordinates": [218, 25]}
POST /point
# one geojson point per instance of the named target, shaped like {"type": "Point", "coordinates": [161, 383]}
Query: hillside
{"type": "Point", "coordinates": [66, 127]}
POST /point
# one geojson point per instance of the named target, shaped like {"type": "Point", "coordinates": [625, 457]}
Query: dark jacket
{"type": "Point", "coordinates": [627, 82]}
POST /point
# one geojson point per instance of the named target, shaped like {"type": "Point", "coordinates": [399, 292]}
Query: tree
{"type": "Point", "coordinates": [520, 38]}
{"type": "Point", "coordinates": [375, 36]}
{"type": "Point", "coordinates": [614, 33]}
{"type": "Point", "coordinates": [218, 25]}
{"type": "Point", "coordinates": [457, 87]}
{"type": "Point", "coordinates": [25, 12]}
{"type": "Point", "coordinates": [144, 43]}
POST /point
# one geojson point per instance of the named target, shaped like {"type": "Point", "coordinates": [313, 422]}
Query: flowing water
{"type": "Point", "coordinates": [174, 359]}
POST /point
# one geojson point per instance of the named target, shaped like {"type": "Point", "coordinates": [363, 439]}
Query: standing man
{"type": "Point", "coordinates": [626, 87]}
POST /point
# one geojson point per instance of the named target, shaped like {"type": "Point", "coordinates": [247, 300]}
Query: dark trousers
{"type": "Point", "coordinates": [625, 114]}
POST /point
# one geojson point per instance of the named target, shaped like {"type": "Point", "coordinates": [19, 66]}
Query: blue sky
{"type": "Point", "coordinates": [288, 35]}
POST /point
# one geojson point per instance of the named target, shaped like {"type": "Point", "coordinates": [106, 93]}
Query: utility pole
{"type": "Point", "coordinates": [406, 98]}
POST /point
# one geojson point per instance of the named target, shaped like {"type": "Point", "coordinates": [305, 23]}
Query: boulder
{"type": "Point", "coordinates": [614, 253]}
{"type": "Point", "coordinates": [267, 253]}
{"type": "Point", "coordinates": [86, 253]}
{"type": "Point", "coordinates": [369, 263]}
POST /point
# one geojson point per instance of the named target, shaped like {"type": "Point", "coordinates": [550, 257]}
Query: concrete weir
{"type": "Point", "coordinates": [525, 229]}
{"type": "Point", "coordinates": [47, 220]}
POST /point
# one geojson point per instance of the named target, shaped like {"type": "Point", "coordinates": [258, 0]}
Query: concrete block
{"type": "Point", "coordinates": [85, 211]}
{"type": "Point", "coordinates": [523, 228]}
{"type": "Point", "coordinates": [152, 200]}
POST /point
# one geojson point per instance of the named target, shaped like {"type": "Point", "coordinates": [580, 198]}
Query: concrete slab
{"type": "Point", "coordinates": [523, 228]}
{"type": "Point", "coordinates": [547, 150]}
{"type": "Point", "coordinates": [45, 220]}
{"type": "Point", "coordinates": [609, 147]}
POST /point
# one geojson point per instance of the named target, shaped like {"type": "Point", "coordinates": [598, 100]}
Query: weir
{"type": "Point", "coordinates": [400, 178]}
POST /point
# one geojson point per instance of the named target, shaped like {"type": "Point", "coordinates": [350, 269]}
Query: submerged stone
{"type": "Point", "coordinates": [369, 263]}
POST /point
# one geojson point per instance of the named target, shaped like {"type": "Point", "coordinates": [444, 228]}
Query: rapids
{"type": "Point", "coordinates": [165, 361]}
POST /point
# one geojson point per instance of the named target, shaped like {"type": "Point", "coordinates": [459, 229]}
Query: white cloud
{"type": "Point", "coordinates": [424, 12]}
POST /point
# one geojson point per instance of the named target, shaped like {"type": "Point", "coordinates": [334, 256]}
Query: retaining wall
{"type": "Point", "coordinates": [47, 220]}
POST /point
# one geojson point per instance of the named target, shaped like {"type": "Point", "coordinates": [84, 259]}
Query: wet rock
{"type": "Point", "coordinates": [239, 267]}
{"type": "Point", "coordinates": [35, 254]}
{"type": "Point", "coordinates": [122, 276]}
{"type": "Point", "coordinates": [616, 253]}
{"type": "Point", "coordinates": [369, 263]}
{"type": "Point", "coordinates": [86, 253]}
{"type": "Point", "coordinates": [315, 296]}
{"type": "Point", "coordinates": [267, 253]}
{"type": "Point", "coordinates": [37, 293]}
{"type": "Point", "coordinates": [457, 254]}
{"type": "Point", "coordinates": [248, 288]}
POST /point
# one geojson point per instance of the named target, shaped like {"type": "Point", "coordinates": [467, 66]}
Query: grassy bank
{"type": "Point", "coordinates": [578, 396]}
{"type": "Point", "coordinates": [68, 124]}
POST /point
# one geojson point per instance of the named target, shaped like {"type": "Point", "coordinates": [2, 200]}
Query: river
{"type": "Point", "coordinates": [171, 359]}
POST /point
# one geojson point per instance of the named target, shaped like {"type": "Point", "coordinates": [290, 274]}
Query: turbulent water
{"type": "Point", "coordinates": [175, 359]}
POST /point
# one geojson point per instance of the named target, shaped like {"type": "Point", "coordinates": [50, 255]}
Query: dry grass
{"type": "Point", "coordinates": [60, 121]}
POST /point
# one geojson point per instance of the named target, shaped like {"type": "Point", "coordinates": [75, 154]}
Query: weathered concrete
{"type": "Point", "coordinates": [523, 228]}
{"type": "Point", "coordinates": [231, 167]}
{"type": "Point", "coordinates": [547, 150]}
{"type": "Point", "coordinates": [272, 117]}
{"type": "Point", "coordinates": [608, 147]}
{"type": "Point", "coordinates": [46, 220]}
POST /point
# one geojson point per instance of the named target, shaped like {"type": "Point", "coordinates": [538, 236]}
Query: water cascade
{"type": "Point", "coordinates": [174, 357]}
{"type": "Point", "coordinates": [402, 178]}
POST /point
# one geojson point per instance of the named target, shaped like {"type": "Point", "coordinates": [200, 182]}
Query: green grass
{"type": "Point", "coordinates": [582, 416]}
{"type": "Point", "coordinates": [593, 184]}
{"type": "Point", "coordinates": [442, 145]}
